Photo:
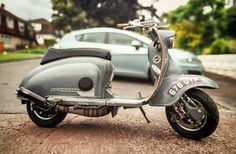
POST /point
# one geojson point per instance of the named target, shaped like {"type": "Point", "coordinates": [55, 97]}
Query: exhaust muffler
{"type": "Point", "coordinates": [87, 112]}
{"type": "Point", "coordinates": [37, 99]}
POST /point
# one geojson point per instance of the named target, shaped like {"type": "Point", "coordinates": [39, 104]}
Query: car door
{"type": "Point", "coordinates": [128, 60]}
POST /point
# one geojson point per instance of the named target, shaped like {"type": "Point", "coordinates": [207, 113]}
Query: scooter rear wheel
{"type": "Point", "coordinates": [42, 118]}
{"type": "Point", "coordinates": [199, 130]}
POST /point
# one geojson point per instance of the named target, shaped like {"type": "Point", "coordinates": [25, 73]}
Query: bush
{"type": "Point", "coordinates": [231, 17]}
{"type": "Point", "coordinates": [232, 45]}
{"type": "Point", "coordinates": [49, 42]}
{"type": "Point", "coordinates": [188, 36]}
{"type": "Point", "coordinates": [33, 51]}
{"type": "Point", "coordinates": [219, 46]}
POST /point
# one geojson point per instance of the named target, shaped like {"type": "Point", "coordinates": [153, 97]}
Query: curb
{"type": "Point", "coordinates": [226, 106]}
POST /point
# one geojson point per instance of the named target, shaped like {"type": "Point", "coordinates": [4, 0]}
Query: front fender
{"type": "Point", "coordinates": [172, 88]}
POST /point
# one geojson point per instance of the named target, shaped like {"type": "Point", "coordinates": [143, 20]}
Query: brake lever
{"type": "Point", "coordinates": [128, 27]}
{"type": "Point", "coordinates": [131, 27]}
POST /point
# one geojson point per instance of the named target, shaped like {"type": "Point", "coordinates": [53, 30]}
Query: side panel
{"type": "Point", "coordinates": [62, 77]}
{"type": "Point", "coordinates": [173, 87]}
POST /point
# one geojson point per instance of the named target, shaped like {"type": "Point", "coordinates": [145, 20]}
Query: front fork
{"type": "Point", "coordinates": [187, 109]}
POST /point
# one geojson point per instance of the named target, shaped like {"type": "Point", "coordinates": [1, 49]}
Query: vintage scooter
{"type": "Point", "coordinates": [79, 81]}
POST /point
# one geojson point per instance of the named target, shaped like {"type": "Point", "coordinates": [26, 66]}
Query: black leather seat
{"type": "Point", "coordinates": [56, 54]}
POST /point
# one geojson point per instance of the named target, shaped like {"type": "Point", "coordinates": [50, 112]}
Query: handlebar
{"type": "Point", "coordinates": [136, 23]}
{"type": "Point", "coordinates": [122, 25]}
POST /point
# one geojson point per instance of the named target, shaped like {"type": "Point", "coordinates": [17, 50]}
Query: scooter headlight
{"type": "Point", "coordinates": [193, 61]}
{"type": "Point", "coordinates": [170, 42]}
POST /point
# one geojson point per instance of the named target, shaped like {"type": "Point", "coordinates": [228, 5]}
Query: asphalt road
{"type": "Point", "coordinates": [128, 132]}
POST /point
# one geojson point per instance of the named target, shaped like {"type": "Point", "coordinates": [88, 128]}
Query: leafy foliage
{"type": "Point", "coordinates": [231, 17]}
{"type": "Point", "coordinates": [77, 14]}
{"type": "Point", "coordinates": [188, 36]}
{"type": "Point", "coordinates": [232, 45]}
{"type": "Point", "coordinates": [219, 46]}
{"type": "Point", "coordinates": [49, 42]}
{"type": "Point", "coordinates": [207, 21]}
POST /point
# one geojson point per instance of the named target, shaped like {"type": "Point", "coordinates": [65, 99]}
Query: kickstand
{"type": "Point", "coordinates": [141, 109]}
{"type": "Point", "coordinates": [144, 114]}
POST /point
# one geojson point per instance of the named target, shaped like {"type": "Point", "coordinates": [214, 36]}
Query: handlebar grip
{"type": "Point", "coordinates": [122, 25]}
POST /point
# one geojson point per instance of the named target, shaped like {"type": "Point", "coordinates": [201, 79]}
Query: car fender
{"type": "Point", "coordinates": [173, 87]}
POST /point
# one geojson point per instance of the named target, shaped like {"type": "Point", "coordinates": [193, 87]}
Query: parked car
{"type": "Point", "coordinates": [128, 50]}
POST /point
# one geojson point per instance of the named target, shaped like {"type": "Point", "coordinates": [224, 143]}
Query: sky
{"type": "Point", "coordinates": [29, 9]}
{"type": "Point", "coordinates": [33, 9]}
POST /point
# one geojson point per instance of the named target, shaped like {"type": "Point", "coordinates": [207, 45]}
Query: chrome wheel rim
{"type": "Point", "coordinates": [193, 126]}
{"type": "Point", "coordinates": [41, 114]}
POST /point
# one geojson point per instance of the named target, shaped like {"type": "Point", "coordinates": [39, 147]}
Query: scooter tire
{"type": "Point", "coordinates": [52, 122]}
{"type": "Point", "coordinates": [212, 120]}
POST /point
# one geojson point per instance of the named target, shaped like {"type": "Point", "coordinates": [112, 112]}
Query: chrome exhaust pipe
{"type": "Point", "coordinates": [78, 101]}
{"type": "Point", "coordinates": [29, 95]}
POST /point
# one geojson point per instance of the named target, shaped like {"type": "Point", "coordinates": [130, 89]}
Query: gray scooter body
{"type": "Point", "coordinates": [61, 77]}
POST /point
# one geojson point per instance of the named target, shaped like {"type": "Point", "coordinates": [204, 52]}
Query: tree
{"type": "Point", "coordinates": [188, 36]}
{"type": "Point", "coordinates": [207, 15]}
{"type": "Point", "coordinates": [231, 25]}
{"type": "Point", "coordinates": [77, 14]}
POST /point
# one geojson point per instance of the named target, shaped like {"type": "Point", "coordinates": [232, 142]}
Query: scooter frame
{"type": "Point", "coordinates": [170, 83]}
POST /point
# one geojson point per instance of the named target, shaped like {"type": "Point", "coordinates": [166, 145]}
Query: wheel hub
{"type": "Point", "coordinates": [42, 114]}
{"type": "Point", "coordinates": [189, 117]}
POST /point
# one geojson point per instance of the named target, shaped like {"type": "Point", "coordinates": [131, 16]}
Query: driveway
{"type": "Point", "coordinates": [128, 132]}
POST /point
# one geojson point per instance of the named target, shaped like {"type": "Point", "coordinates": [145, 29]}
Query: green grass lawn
{"type": "Point", "coordinates": [18, 56]}
{"type": "Point", "coordinates": [22, 55]}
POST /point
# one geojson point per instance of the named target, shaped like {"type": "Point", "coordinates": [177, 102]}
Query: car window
{"type": "Point", "coordinates": [78, 37]}
{"type": "Point", "coordinates": [92, 37]}
{"type": "Point", "coordinates": [120, 39]}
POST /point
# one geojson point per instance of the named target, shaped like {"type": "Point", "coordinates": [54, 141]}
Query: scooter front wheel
{"type": "Point", "coordinates": [184, 123]}
{"type": "Point", "coordinates": [44, 119]}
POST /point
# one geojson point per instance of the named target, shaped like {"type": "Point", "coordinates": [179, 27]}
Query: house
{"type": "Point", "coordinates": [15, 32]}
{"type": "Point", "coordinates": [44, 30]}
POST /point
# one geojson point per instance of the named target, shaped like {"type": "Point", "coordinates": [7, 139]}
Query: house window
{"type": "Point", "coordinates": [37, 26]}
{"type": "Point", "coordinates": [6, 39]}
{"type": "Point", "coordinates": [21, 26]}
{"type": "Point", "coordinates": [10, 22]}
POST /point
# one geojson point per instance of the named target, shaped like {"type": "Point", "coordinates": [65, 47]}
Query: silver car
{"type": "Point", "coordinates": [128, 50]}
